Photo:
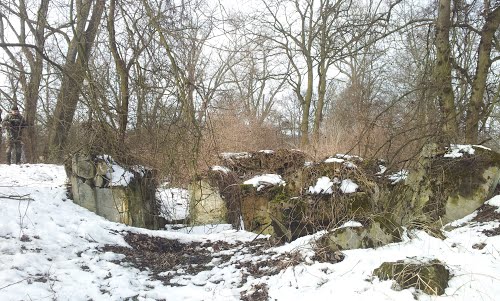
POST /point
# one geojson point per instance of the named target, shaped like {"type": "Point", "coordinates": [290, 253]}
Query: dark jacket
{"type": "Point", "coordinates": [13, 125]}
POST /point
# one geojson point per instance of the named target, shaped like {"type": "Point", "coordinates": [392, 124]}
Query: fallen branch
{"type": "Point", "coordinates": [25, 197]}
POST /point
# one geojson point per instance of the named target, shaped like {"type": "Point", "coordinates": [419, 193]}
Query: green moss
{"type": "Point", "coordinates": [287, 214]}
{"type": "Point", "coordinates": [279, 195]}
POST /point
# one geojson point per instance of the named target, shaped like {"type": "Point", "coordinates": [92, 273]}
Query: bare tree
{"type": "Point", "coordinates": [87, 20]}
{"type": "Point", "coordinates": [314, 35]}
{"type": "Point", "coordinates": [123, 66]}
{"type": "Point", "coordinates": [477, 110]}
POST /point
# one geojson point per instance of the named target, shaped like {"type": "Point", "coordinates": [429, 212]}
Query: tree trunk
{"type": "Point", "coordinates": [32, 95]}
{"type": "Point", "coordinates": [446, 100]}
{"type": "Point", "coordinates": [306, 106]}
{"type": "Point", "coordinates": [318, 116]}
{"type": "Point", "coordinates": [75, 72]}
{"type": "Point", "coordinates": [141, 96]}
{"type": "Point", "coordinates": [123, 74]}
{"type": "Point", "coordinates": [476, 103]}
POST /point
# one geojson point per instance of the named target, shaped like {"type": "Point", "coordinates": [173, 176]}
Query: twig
{"type": "Point", "coordinates": [1, 288]}
{"type": "Point", "coordinates": [18, 197]}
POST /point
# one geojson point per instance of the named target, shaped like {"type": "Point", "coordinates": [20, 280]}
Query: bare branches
{"type": "Point", "coordinates": [34, 47]}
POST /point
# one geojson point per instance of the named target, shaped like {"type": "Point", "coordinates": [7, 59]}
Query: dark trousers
{"type": "Point", "coordinates": [17, 146]}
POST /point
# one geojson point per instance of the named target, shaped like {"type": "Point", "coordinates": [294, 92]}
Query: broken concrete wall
{"type": "Point", "coordinates": [119, 194]}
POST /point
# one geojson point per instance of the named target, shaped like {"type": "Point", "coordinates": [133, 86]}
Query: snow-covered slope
{"type": "Point", "coordinates": [52, 249]}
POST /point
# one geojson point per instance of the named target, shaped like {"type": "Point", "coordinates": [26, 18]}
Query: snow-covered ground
{"type": "Point", "coordinates": [52, 249]}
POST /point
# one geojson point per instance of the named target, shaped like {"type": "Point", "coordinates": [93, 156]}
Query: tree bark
{"type": "Point", "coordinates": [476, 103]}
{"type": "Point", "coordinates": [75, 72]}
{"type": "Point", "coordinates": [306, 106]}
{"type": "Point", "coordinates": [123, 74]}
{"type": "Point", "coordinates": [32, 95]}
{"type": "Point", "coordinates": [446, 100]}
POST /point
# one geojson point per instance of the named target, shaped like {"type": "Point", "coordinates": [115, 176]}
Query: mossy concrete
{"type": "Point", "coordinates": [430, 277]}
{"type": "Point", "coordinates": [255, 213]}
{"type": "Point", "coordinates": [206, 205]}
{"type": "Point", "coordinates": [447, 189]}
{"type": "Point", "coordinates": [437, 190]}
{"type": "Point", "coordinates": [458, 206]}
{"type": "Point", "coordinates": [378, 231]}
{"type": "Point", "coordinates": [134, 204]}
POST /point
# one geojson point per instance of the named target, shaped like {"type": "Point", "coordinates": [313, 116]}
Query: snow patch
{"type": "Point", "coordinates": [494, 201]}
{"type": "Point", "coordinates": [334, 160]}
{"type": "Point", "coordinates": [382, 170]}
{"type": "Point", "coordinates": [398, 177]}
{"type": "Point", "coordinates": [174, 203]}
{"type": "Point", "coordinates": [352, 224]}
{"type": "Point", "coordinates": [265, 180]}
{"type": "Point", "coordinates": [242, 155]}
{"type": "Point", "coordinates": [221, 169]}
{"type": "Point", "coordinates": [323, 186]}
{"type": "Point", "coordinates": [117, 175]}
{"type": "Point", "coordinates": [266, 151]}
{"type": "Point", "coordinates": [346, 160]}
{"type": "Point", "coordinates": [458, 150]}
{"type": "Point", "coordinates": [348, 186]}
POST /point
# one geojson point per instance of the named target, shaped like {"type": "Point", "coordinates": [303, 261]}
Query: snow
{"type": "Point", "coordinates": [267, 151]}
{"type": "Point", "coordinates": [458, 150]}
{"type": "Point", "coordinates": [174, 203]}
{"type": "Point", "coordinates": [334, 160]}
{"type": "Point", "coordinates": [483, 147]}
{"type": "Point", "coordinates": [348, 186]}
{"type": "Point", "coordinates": [116, 174]}
{"type": "Point", "coordinates": [398, 177]}
{"type": "Point", "coordinates": [382, 168]}
{"type": "Point", "coordinates": [349, 157]}
{"type": "Point", "coordinates": [241, 155]}
{"type": "Point", "coordinates": [265, 180]}
{"type": "Point", "coordinates": [495, 201]}
{"type": "Point", "coordinates": [323, 185]}
{"type": "Point", "coordinates": [343, 159]}
{"type": "Point", "coordinates": [221, 169]}
{"type": "Point", "coordinates": [51, 249]}
{"type": "Point", "coordinates": [351, 224]}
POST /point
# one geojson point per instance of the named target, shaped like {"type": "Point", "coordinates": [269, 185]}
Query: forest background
{"type": "Point", "coordinates": [171, 84]}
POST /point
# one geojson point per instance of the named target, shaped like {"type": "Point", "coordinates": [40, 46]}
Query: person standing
{"type": "Point", "coordinates": [13, 124]}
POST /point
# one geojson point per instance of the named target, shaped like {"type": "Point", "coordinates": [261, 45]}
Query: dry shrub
{"type": "Point", "coordinates": [231, 133]}
{"type": "Point", "coordinates": [168, 149]}
{"type": "Point", "coordinates": [98, 138]}
{"type": "Point", "coordinates": [281, 161]}
{"type": "Point", "coordinates": [381, 134]}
